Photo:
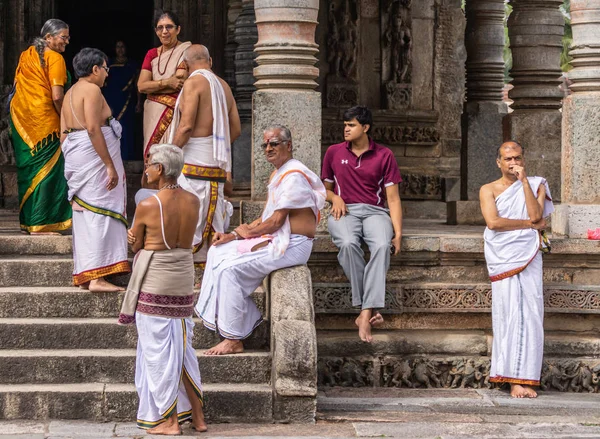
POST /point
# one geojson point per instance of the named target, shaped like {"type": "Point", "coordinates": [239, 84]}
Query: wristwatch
{"type": "Point", "coordinates": [236, 235]}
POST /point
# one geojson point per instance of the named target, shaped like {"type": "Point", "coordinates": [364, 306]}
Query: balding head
{"type": "Point", "coordinates": [509, 146]}
{"type": "Point", "coordinates": [197, 57]}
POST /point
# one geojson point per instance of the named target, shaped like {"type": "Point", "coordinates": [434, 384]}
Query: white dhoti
{"type": "Point", "coordinates": [230, 278]}
{"type": "Point", "coordinates": [202, 177]}
{"type": "Point", "coordinates": [514, 262]}
{"type": "Point", "coordinates": [99, 215]}
{"type": "Point", "coordinates": [164, 354]}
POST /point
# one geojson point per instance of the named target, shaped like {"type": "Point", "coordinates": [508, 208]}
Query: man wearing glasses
{"type": "Point", "coordinates": [282, 237]}
{"type": "Point", "coordinates": [360, 176]}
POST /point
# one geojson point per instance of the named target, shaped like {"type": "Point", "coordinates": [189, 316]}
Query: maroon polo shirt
{"type": "Point", "coordinates": [360, 179]}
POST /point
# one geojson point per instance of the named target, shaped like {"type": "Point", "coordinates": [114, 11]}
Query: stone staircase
{"type": "Point", "coordinates": [63, 356]}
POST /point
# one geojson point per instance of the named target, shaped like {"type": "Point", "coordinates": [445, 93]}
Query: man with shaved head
{"type": "Point", "coordinates": [206, 122]}
{"type": "Point", "coordinates": [514, 208]}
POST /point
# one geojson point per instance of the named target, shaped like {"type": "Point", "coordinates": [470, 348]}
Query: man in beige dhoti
{"type": "Point", "coordinates": [514, 208]}
{"type": "Point", "coordinates": [207, 123]}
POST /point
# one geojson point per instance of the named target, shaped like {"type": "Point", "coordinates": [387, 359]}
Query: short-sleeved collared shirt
{"type": "Point", "coordinates": [361, 179]}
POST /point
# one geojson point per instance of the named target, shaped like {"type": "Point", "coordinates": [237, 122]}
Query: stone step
{"type": "Point", "coordinates": [55, 366]}
{"type": "Point", "coordinates": [118, 402]}
{"type": "Point", "coordinates": [70, 302]}
{"type": "Point", "coordinates": [98, 333]}
{"type": "Point", "coordinates": [434, 343]}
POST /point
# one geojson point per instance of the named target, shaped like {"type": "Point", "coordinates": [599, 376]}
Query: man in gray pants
{"type": "Point", "coordinates": [360, 176]}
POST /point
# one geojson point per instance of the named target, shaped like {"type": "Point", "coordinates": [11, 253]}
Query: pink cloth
{"type": "Point", "coordinates": [246, 245]}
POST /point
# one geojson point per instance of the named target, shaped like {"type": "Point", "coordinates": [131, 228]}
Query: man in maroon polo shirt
{"type": "Point", "coordinates": [360, 176]}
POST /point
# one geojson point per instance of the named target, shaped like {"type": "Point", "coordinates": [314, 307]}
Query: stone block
{"type": "Point", "coordinates": [483, 135]}
{"type": "Point", "coordinates": [251, 210]}
{"type": "Point", "coordinates": [465, 213]}
{"type": "Point", "coordinates": [241, 152]}
{"type": "Point", "coordinates": [294, 358]}
{"type": "Point", "coordinates": [300, 111]}
{"type": "Point", "coordinates": [291, 294]}
{"type": "Point", "coordinates": [294, 409]}
{"type": "Point", "coordinates": [539, 131]}
{"type": "Point", "coordinates": [424, 209]}
{"type": "Point", "coordinates": [422, 59]}
{"type": "Point", "coordinates": [574, 220]}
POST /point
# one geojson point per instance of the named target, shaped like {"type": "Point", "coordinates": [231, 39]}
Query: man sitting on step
{"type": "Point", "coordinates": [360, 176]}
{"type": "Point", "coordinates": [238, 262]}
{"type": "Point", "coordinates": [514, 208]}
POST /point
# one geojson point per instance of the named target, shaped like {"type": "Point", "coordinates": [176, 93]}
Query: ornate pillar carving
{"type": "Point", "coordinates": [536, 28]}
{"type": "Point", "coordinates": [580, 208]}
{"type": "Point", "coordinates": [245, 36]}
{"type": "Point", "coordinates": [285, 82]}
{"type": "Point", "coordinates": [484, 109]}
{"type": "Point", "coordinates": [234, 8]}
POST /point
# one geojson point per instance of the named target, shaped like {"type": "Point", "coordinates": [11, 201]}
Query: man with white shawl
{"type": "Point", "coordinates": [206, 121]}
{"type": "Point", "coordinates": [514, 208]}
{"type": "Point", "coordinates": [238, 262]}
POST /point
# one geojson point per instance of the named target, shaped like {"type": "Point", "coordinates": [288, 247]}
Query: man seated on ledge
{"type": "Point", "coordinates": [360, 176]}
{"type": "Point", "coordinates": [238, 262]}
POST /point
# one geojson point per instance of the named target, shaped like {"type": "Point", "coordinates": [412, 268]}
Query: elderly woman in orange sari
{"type": "Point", "coordinates": [161, 79]}
{"type": "Point", "coordinates": [40, 81]}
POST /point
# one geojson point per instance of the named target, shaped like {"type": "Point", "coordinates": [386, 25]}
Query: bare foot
{"type": "Point", "coordinates": [376, 320]}
{"type": "Point", "coordinates": [166, 428]}
{"type": "Point", "coordinates": [364, 328]}
{"type": "Point", "coordinates": [84, 286]}
{"type": "Point", "coordinates": [530, 392]}
{"type": "Point", "coordinates": [226, 347]}
{"type": "Point", "coordinates": [102, 286]}
{"type": "Point", "coordinates": [200, 426]}
{"type": "Point", "coordinates": [518, 391]}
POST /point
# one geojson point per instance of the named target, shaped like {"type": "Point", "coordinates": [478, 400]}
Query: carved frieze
{"type": "Point", "coordinates": [390, 135]}
{"type": "Point", "coordinates": [336, 298]}
{"type": "Point", "coordinates": [421, 187]}
{"type": "Point", "coordinates": [565, 375]}
{"type": "Point", "coordinates": [341, 94]}
{"type": "Point", "coordinates": [342, 38]}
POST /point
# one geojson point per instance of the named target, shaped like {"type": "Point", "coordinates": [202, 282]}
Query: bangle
{"type": "Point", "coordinates": [236, 235]}
{"type": "Point", "coordinates": [160, 83]}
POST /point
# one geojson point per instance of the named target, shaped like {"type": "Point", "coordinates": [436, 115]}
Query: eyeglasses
{"type": "Point", "coordinates": [105, 68]}
{"type": "Point", "coordinates": [168, 27]}
{"type": "Point", "coordinates": [64, 37]}
{"type": "Point", "coordinates": [151, 164]}
{"type": "Point", "coordinates": [272, 143]}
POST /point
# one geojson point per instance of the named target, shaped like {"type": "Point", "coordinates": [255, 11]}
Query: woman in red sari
{"type": "Point", "coordinates": [161, 79]}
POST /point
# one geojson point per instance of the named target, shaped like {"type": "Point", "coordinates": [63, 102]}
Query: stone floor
{"type": "Point", "coordinates": [400, 413]}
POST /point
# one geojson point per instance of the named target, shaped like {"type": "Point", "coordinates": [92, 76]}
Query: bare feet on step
{"type": "Point", "coordinates": [364, 326]}
{"type": "Point", "coordinates": [226, 347]}
{"type": "Point", "coordinates": [166, 428]}
{"type": "Point", "coordinates": [518, 391]}
{"type": "Point", "coordinates": [103, 286]}
{"type": "Point", "coordinates": [376, 320]}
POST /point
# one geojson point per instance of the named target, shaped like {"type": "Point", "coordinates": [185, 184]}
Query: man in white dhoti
{"type": "Point", "coordinates": [96, 177]}
{"type": "Point", "coordinates": [160, 300]}
{"type": "Point", "coordinates": [207, 122]}
{"type": "Point", "coordinates": [238, 262]}
{"type": "Point", "coordinates": [514, 208]}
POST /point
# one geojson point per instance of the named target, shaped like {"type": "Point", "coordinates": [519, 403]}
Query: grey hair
{"type": "Point", "coordinates": [286, 134]}
{"type": "Point", "coordinates": [52, 27]}
{"type": "Point", "coordinates": [170, 157]}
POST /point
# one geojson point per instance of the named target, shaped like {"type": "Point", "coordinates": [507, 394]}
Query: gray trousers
{"type": "Point", "coordinates": [372, 225]}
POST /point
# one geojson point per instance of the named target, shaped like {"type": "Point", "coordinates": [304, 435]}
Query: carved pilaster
{"type": "Point", "coordinates": [484, 41]}
{"type": "Point", "coordinates": [536, 28]}
{"type": "Point", "coordinates": [245, 36]}
{"type": "Point", "coordinates": [286, 46]}
{"type": "Point", "coordinates": [234, 8]}
{"type": "Point", "coordinates": [285, 82]}
{"type": "Point", "coordinates": [580, 208]}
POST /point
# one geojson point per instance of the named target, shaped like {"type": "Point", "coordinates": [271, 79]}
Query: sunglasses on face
{"type": "Point", "coordinates": [272, 143]}
{"type": "Point", "coordinates": [168, 27]}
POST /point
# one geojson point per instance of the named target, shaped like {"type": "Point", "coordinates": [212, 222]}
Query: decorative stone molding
{"type": "Point", "coordinates": [421, 187]}
{"type": "Point", "coordinates": [293, 345]}
{"type": "Point", "coordinates": [565, 375]}
{"type": "Point", "coordinates": [390, 135]}
{"type": "Point", "coordinates": [585, 22]}
{"type": "Point", "coordinates": [484, 41]}
{"type": "Point", "coordinates": [336, 299]}
{"type": "Point", "coordinates": [245, 36]}
{"type": "Point", "coordinates": [286, 45]}
{"type": "Point", "coordinates": [536, 28]}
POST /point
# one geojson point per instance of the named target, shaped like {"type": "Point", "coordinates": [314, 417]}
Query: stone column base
{"type": "Point", "coordinates": [574, 220]}
{"type": "Point", "coordinates": [464, 212]}
{"type": "Point", "coordinates": [300, 111]}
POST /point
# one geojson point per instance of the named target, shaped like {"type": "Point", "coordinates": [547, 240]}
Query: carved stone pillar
{"type": "Point", "coordinates": [285, 79]}
{"type": "Point", "coordinates": [536, 29]}
{"type": "Point", "coordinates": [581, 127]}
{"type": "Point", "coordinates": [246, 36]}
{"type": "Point", "coordinates": [484, 109]}
{"type": "Point", "coordinates": [234, 8]}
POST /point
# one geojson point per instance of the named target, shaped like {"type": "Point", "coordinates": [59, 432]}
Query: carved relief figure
{"type": "Point", "coordinates": [399, 40]}
{"type": "Point", "coordinates": [342, 40]}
